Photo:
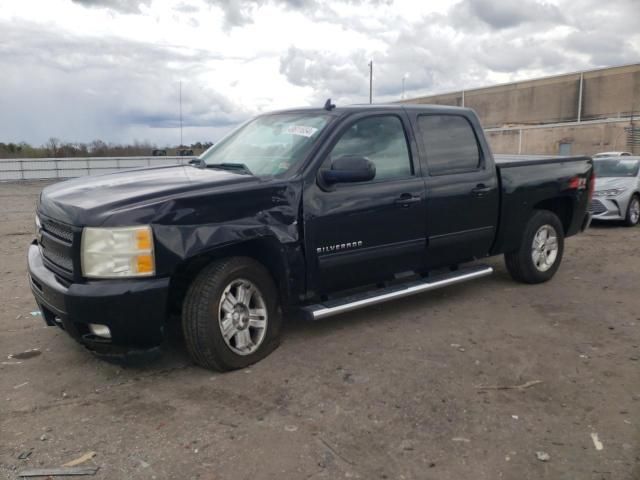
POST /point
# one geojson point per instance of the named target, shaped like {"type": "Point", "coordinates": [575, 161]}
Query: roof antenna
{"type": "Point", "coordinates": [328, 106]}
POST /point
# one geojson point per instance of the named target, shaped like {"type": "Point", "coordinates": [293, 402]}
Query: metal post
{"type": "Point", "coordinates": [463, 98]}
{"type": "Point", "coordinates": [580, 98]}
{"type": "Point", "coordinates": [631, 137]}
{"type": "Point", "coordinates": [520, 142]}
{"type": "Point", "coordinates": [371, 82]}
{"type": "Point", "coordinates": [180, 113]}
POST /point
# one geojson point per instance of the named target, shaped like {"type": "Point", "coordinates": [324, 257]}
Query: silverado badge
{"type": "Point", "coordinates": [339, 246]}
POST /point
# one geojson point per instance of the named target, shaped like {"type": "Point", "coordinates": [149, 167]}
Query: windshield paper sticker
{"type": "Point", "coordinates": [301, 130]}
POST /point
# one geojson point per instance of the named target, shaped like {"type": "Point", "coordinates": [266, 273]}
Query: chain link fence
{"type": "Point", "coordinates": [12, 169]}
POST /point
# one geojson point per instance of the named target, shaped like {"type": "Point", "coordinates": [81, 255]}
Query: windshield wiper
{"type": "Point", "coordinates": [239, 167]}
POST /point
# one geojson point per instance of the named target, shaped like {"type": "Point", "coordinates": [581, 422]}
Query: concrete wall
{"type": "Point", "coordinates": [550, 101]}
{"type": "Point", "coordinates": [610, 92]}
{"type": "Point", "coordinates": [585, 139]}
{"type": "Point", "coordinates": [606, 93]}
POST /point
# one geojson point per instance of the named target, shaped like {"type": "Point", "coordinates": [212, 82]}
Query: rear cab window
{"type": "Point", "coordinates": [449, 144]}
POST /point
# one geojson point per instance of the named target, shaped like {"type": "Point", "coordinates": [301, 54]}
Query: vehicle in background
{"type": "Point", "coordinates": [612, 154]}
{"type": "Point", "coordinates": [185, 152]}
{"type": "Point", "coordinates": [159, 153]}
{"type": "Point", "coordinates": [309, 211]}
{"type": "Point", "coordinates": [617, 191]}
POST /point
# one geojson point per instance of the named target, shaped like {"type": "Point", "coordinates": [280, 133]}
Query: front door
{"type": "Point", "coordinates": [365, 232]}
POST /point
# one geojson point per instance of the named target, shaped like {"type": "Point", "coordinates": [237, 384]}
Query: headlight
{"type": "Point", "coordinates": [613, 192]}
{"type": "Point", "coordinates": [117, 252]}
{"type": "Point", "coordinates": [38, 228]}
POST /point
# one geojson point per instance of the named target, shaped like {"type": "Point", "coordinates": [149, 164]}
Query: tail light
{"type": "Point", "coordinates": [578, 183]}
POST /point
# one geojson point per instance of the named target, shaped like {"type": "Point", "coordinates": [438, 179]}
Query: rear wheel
{"type": "Point", "coordinates": [633, 212]}
{"type": "Point", "coordinates": [541, 249]}
{"type": "Point", "coordinates": [231, 318]}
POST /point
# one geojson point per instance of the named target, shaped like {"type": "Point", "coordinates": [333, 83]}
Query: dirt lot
{"type": "Point", "coordinates": [393, 391]}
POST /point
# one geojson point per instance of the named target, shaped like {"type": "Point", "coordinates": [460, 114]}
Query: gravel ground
{"type": "Point", "coordinates": [390, 392]}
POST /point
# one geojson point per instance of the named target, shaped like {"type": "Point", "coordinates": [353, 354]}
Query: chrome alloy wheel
{"type": "Point", "coordinates": [242, 315]}
{"type": "Point", "coordinates": [544, 249]}
{"type": "Point", "coordinates": [634, 210]}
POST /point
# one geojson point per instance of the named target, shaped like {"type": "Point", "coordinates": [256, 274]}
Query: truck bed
{"type": "Point", "coordinates": [514, 160]}
{"type": "Point", "coordinates": [525, 186]}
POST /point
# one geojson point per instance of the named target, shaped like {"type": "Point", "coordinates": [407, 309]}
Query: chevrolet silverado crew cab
{"type": "Point", "coordinates": [311, 212]}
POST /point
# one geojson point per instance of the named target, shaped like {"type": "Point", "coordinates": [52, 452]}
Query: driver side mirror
{"type": "Point", "coordinates": [348, 169]}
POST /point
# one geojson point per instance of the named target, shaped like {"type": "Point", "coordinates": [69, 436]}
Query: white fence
{"type": "Point", "coordinates": [52, 168]}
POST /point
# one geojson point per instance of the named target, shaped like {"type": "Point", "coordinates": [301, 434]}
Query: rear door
{"type": "Point", "coordinates": [364, 232]}
{"type": "Point", "coordinates": [462, 196]}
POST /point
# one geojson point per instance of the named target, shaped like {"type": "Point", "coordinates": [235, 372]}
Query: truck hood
{"type": "Point", "coordinates": [607, 183]}
{"type": "Point", "coordinates": [90, 200]}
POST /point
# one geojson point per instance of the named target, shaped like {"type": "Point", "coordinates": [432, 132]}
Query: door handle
{"type": "Point", "coordinates": [406, 199]}
{"type": "Point", "coordinates": [480, 190]}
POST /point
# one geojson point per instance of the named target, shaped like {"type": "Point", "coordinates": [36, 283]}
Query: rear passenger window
{"type": "Point", "coordinates": [449, 143]}
{"type": "Point", "coordinates": [382, 140]}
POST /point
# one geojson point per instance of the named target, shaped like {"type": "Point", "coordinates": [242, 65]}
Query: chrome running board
{"type": "Point", "coordinates": [353, 302]}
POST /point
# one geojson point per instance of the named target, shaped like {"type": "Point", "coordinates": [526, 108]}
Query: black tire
{"type": "Point", "coordinates": [202, 309]}
{"type": "Point", "coordinates": [520, 263]}
{"type": "Point", "coordinates": [630, 219]}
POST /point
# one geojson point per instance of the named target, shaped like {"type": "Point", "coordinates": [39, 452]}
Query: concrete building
{"type": "Point", "coordinates": [576, 113]}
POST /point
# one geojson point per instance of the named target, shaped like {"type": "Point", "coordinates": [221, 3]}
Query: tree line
{"type": "Point", "coordinates": [55, 148]}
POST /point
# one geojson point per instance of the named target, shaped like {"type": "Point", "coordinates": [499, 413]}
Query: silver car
{"type": "Point", "coordinates": [611, 154]}
{"type": "Point", "coordinates": [617, 191]}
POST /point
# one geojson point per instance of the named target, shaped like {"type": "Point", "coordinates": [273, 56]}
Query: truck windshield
{"type": "Point", "coordinates": [616, 168]}
{"type": "Point", "coordinates": [269, 145]}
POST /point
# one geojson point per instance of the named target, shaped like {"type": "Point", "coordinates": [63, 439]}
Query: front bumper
{"type": "Point", "coordinates": [608, 208]}
{"type": "Point", "coordinates": [134, 310]}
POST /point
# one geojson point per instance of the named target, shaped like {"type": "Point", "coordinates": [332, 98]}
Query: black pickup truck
{"type": "Point", "coordinates": [311, 212]}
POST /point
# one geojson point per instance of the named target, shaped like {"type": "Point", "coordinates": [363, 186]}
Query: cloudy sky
{"type": "Point", "coordinates": [111, 69]}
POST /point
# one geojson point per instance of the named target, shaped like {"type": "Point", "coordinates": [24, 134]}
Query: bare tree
{"type": "Point", "coordinates": [52, 146]}
{"type": "Point", "coordinates": [98, 148]}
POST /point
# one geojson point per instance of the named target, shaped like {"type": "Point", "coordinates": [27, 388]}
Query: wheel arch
{"type": "Point", "coordinates": [268, 251]}
{"type": "Point", "coordinates": [562, 207]}
{"type": "Point", "coordinates": [635, 195]}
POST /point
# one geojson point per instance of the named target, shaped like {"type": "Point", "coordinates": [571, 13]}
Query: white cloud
{"type": "Point", "coordinates": [110, 69]}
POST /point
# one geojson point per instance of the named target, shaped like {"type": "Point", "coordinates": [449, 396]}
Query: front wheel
{"type": "Point", "coordinates": [633, 212]}
{"type": "Point", "coordinates": [231, 318]}
{"type": "Point", "coordinates": [540, 252]}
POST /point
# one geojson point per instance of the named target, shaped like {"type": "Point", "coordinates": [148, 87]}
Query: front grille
{"type": "Point", "coordinates": [597, 207]}
{"type": "Point", "coordinates": [56, 243]}
{"type": "Point", "coordinates": [58, 230]}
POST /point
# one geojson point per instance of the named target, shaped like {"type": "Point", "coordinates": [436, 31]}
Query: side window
{"type": "Point", "coordinates": [382, 140]}
{"type": "Point", "coordinates": [449, 143]}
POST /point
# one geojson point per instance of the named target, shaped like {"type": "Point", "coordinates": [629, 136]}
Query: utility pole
{"type": "Point", "coordinates": [180, 113]}
{"type": "Point", "coordinates": [371, 82]}
{"type": "Point", "coordinates": [404, 78]}
{"type": "Point", "coordinates": [580, 98]}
